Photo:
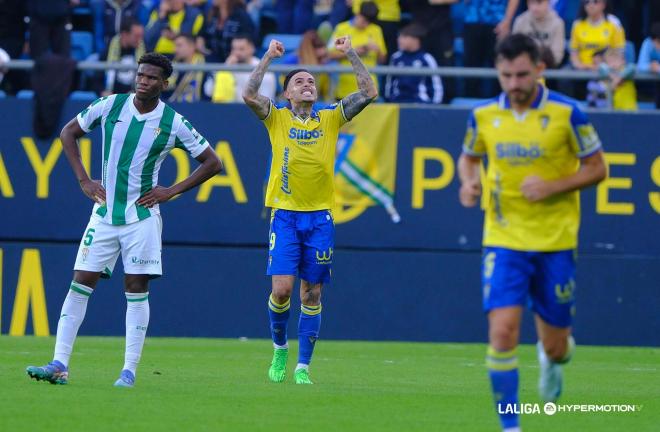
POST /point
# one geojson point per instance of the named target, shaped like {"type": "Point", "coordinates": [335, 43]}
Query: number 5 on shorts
{"type": "Point", "coordinates": [89, 237]}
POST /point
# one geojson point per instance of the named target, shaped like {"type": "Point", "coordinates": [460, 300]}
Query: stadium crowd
{"type": "Point", "coordinates": [615, 38]}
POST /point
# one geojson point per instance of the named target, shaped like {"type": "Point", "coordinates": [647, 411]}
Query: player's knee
{"type": "Point", "coordinates": [281, 293]}
{"type": "Point", "coordinates": [85, 278]}
{"type": "Point", "coordinates": [503, 337]}
{"type": "Point", "coordinates": [136, 285]}
{"type": "Point", "coordinates": [555, 348]}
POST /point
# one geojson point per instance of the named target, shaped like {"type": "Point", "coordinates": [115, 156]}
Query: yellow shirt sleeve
{"type": "Point", "coordinates": [618, 37]}
{"type": "Point", "coordinates": [473, 143]}
{"type": "Point", "coordinates": [197, 25]}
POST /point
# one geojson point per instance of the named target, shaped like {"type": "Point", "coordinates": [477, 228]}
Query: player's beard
{"type": "Point", "coordinates": [521, 96]}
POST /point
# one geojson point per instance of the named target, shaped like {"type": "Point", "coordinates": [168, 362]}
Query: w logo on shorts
{"type": "Point", "coordinates": [324, 257]}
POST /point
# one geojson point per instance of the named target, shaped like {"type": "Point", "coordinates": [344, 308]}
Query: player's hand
{"type": "Point", "coordinates": [94, 190]}
{"type": "Point", "coordinates": [157, 195]}
{"type": "Point", "coordinates": [535, 189]}
{"type": "Point", "coordinates": [502, 29]}
{"type": "Point", "coordinates": [275, 49]}
{"type": "Point", "coordinates": [343, 44]}
{"type": "Point", "coordinates": [469, 193]}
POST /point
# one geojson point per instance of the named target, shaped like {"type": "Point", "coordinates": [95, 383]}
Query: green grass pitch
{"type": "Point", "coordinates": [222, 385]}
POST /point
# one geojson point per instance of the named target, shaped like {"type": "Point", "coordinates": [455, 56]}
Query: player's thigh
{"type": "Point", "coordinates": [553, 288]}
{"type": "Point", "coordinates": [141, 247]}
{"type": "Point", "coordinates": [98, 250]}
{"type": "Point", "coordinates": [284, 246]}
{"type": "Point", "coordinates": [505, 277]}
{"type": "Point", "coordinates": [318, 249]}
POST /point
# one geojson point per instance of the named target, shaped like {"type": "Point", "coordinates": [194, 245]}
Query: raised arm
{"type": "Point", "coordinates": [367, 92]}
{"type": "Point", "coordinates": [258, 103]}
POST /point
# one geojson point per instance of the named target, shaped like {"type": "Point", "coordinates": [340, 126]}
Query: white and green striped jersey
{"type": "Point", "coordinates": [134, 147]}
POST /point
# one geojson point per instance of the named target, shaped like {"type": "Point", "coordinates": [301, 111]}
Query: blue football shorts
{"type": "Point", "coordinates": [543, 280]}
{"type": "Point", "coordinates": [301, 244]}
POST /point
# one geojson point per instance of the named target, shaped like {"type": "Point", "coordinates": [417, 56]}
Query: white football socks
{"type": "Point", "coordinates": [137, 321]}
{"type": "Point", "coordinates": [72, 315]}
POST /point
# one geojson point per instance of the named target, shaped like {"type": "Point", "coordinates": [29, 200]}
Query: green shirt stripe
{"type": "Point", "coordinates": [165, 126]}
{"type": "Point", "coordinates": [108, 129]}
{"type": "Point", "coordinates": [125, 159]}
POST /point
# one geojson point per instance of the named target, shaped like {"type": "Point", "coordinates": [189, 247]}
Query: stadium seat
{"type": "Point", "coordinates": [81, 45]}
{"type": "Point", "coordinates": [646, 105]}
{"type": "Point", "coordinates": [25, 94]}
{"type": "Point", "coordinates": [2, 94]}
{"type": "Point", "coordinates": [629, 52]}
{"type": "Point", "coordinates": [466, 102]}
{"type": "Point", "coordinates": [80, 95]}
{"type": "Point", "coordinates": [290, 41]}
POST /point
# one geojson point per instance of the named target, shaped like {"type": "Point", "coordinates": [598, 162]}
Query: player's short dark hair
{"type": "Point", "coordinates": [655, 30]}
{"type": "Point", "coordinates": [245, 36]}
{"type": "Point", "coordinates": [159, 60]}
{"type": "Point", "coordinates": [514, 45]}
{"type": "Point", "coordinates": [413, 30]}
{"type": "Point", "coordinates": [369, 11]}
{"type": "Point", "coordinates": [290, 75]}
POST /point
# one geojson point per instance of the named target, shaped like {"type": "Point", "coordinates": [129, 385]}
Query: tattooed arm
{"type": "Point", "coordinates": [367, 92]}
{"type": "Point", "coordinates": [258, 103]}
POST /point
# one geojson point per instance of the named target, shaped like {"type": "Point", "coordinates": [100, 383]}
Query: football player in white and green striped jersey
{"type": "Point", "coordinates": [138, 131]}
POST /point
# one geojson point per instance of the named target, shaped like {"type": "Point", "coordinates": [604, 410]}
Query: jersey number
{"type": "Point", "coordinates": [89, 237]}
{"type": "Point", "coordinates": [271, 245]}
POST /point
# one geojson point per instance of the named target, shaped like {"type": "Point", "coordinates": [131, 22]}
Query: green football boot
{"type": "Point", "coordinates": [277, 371]}
{"type": "Point", "coordinates": [302, 376]}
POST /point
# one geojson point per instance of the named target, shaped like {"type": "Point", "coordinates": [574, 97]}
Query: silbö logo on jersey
{"type": "Point", "coordinates": [305, 137]}
{"type": "Point", "coordinates": [285, 172]}
{"type": "Point", "coordinates": [517, 153]}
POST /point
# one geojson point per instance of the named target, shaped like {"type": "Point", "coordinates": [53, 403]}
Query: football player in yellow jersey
{"type": "Point", "coordinates": [301, 194]}
{"type": "Point", "coordinates": [541, 150]}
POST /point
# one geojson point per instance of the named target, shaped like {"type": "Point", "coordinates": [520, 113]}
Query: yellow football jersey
{"type": "Point", "coordinates": [548, 141]}
{"type": "Point", "coordinates": [303, 158]}
{"type": "Point", "coordinates": [347, 83]}
{"type": "Point", "coordinates": [588, 39]}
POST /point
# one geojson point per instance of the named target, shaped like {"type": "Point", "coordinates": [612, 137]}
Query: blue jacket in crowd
{"type": "Point", "coordinates": [409, 88]}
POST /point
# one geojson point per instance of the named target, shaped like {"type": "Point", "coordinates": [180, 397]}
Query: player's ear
{"type": "Point", "coordinates": [540, 67]}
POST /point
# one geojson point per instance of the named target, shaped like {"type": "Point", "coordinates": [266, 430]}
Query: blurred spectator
{"type": "Point", "coordinates": [172, 18]}
{"type": "Point", "coordinates": [594, 31]}
{"type": "Point", "coordinates": [50, 27]}
{"type": "Point", "coordinates": [186, 86]}
{"type": "Point", "coordinates": [127, 47]}
{"type": "Point", "coordinates": [389, 20]}
{"type": "Point", "coordinates": [226, 19]}
{"type": "Point", "coordinates": [4, 58]}
{"type": "Point", "coordinates": [486, 21]}
{"type": "Point", "coordinates": [544, 25]}
{"type": "Point", "coordinates": [108, 17]}
{"type": "Point", "coordinates": [12, 39]}
{"type": "Point", "coordinates": [435, 17]}
{"type": "Point", "coordinates": [615, 80]}
{"type": "Point", "coordinates": [294, 16]}
{"type": "Point", "coordinates": [649, 57]}
{"type": "Point", "coordinates": [228, 86]}
{"type": "Point", "coordinates": [312, 51]}
{"type": "Point", "coordinates": [12, 26]}
{"type": "Point", "coordinates": [367, 40]}
{"type": "Point", "coordinates": [410, 88]}
{"type": "Point", "coordinates": [340, 12]}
